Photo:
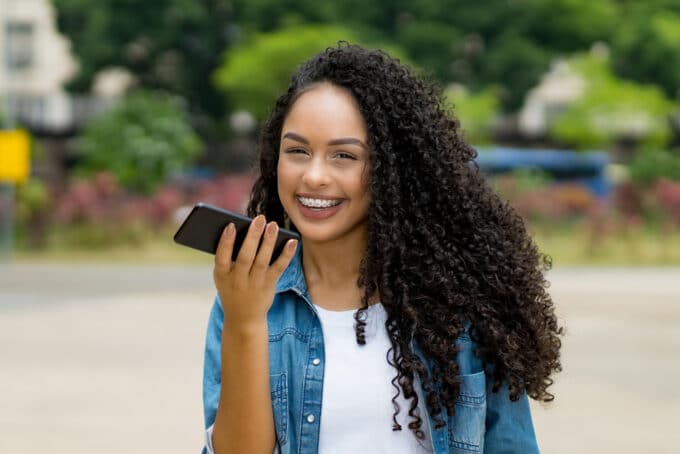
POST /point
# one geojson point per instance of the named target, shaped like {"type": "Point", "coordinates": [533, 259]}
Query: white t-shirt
{"type": "Point", "coordinates": [356, 409]}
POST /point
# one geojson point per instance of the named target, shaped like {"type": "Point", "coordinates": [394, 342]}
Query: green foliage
{"type": "Point", "coordinates": [255, 73]}
{"type": "Point", "coordinates": [142, 141]}
{"type": "Point", "coordinates": [611, 109]}
{"type": "Point", "coordinates": [434, 46]}
{"type": "Point", "coordinates": [514, 62]}
{"type": "Point", "coordinates": [531, 179]}
{"type": "Point", "coordinates": [176, 44]}
{"type": "Point", "coordinates": [476, 112]}
{"type": "Point", "coordinates": [89, 236]}
{"type": "Point", "coordinates": [519, 182]}
{"type": "Point", "coordinates": [269, 15]}
{"type": "Point", "coordinates": [173, 45]}
{"type": "Point", "coordinates": [567, 25]}
{"type": "Point", "coordinates": [494, 42]}
{"type": "Point", "coordinates": [650, 165]}
{"type": "Point", "coordinates": [647, 47]}
{"type": "Point", "coordinates": [32, 198]}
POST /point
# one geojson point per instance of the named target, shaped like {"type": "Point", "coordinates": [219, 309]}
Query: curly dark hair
{"type": "Point", "coordinates": [444, 252]}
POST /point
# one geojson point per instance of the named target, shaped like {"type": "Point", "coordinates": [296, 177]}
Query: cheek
{"type": "Point", "coordinates": [287, 179]}
{"type": "Point", "coordinates": [283, 177]}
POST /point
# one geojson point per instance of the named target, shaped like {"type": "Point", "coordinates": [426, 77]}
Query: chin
{"type": "Point", "coordinates": [316, 234]}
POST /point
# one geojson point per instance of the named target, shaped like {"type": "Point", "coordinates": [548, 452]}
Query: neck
{"type": "Point", "coordinates": [334, 264]}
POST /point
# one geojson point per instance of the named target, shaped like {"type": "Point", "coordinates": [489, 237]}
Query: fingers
{"type": "Point", "coordinates": [279, 266]}
{"type": "Point", "coordinates": [250, 261]}
{"type": "Point", "coordinates": [225, 248]}
{"type": "Point", "coordinates": [264, 255]}
{"type": "Point", "coordinates": [249, 247]}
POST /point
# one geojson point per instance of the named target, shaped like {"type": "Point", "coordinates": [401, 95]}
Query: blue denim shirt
{"type": "Point", "coordinates": [484, 422]}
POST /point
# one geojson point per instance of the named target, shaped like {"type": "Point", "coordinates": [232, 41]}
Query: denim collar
{"type": "Point", "coordinates": [293, 277]}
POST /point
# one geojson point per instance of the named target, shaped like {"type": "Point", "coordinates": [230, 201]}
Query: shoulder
{"type": "Point", "coordinates": [468, 361]}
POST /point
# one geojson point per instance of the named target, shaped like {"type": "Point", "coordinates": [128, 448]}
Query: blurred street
{"type": "Point", "coordinates": [107, 359]}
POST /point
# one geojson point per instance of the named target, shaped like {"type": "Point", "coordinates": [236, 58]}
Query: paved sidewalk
{"type": "Point", "coordinates": [107, 359]}
{"type": "Point", "coordinates": [618, 392]}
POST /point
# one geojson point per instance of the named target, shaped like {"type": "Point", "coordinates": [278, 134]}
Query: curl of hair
{"type": "Point", "coordinates": [444, 252]}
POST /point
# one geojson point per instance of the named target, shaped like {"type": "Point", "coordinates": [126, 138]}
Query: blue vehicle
{"type": "Point", "coordinates": [586, 167]}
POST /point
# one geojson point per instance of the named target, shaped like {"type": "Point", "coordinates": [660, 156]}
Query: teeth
{"type": "Point", "coordinates": [318, 203]}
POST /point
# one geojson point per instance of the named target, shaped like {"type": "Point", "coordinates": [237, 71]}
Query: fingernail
{"type": "Point", "coordinates": [259, 221]}
{"type": "Point", "coordinates": [230, 228]}
{"type": "Point", "coordinates": [272, 228]}
{"type": "Point", "coordinates": [292, 244]}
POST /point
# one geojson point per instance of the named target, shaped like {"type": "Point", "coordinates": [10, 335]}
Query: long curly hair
{"type": "Point", "coordinates": [444, 252]}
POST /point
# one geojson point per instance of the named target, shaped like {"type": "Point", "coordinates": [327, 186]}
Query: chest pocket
{"type": "Point", "coordinates": [279, 393]}
{"type": "Point", "coordinates": [466, 427]}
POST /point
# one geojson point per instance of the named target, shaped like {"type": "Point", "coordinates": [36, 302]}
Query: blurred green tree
{"type": "Point", "coordinates": [647, 48]}
{"type": "Point", "coordinates": [566, 25]}
{"type": "Point", "coordinates": [476, 112]}
{"type": "Point", "coordinates": [172, 45]}
{"type": "Point", "coordinates": [33, 206]}
{"type": "Point", "coordinates": [178, 44]}
{"type": "Point", "coordinates": [142, 141]}
{"type": "Point", "coordinates": [515, 63]}
{"type": "Point", "coordinates": [254, 73]}
{"type": "Point", "coordinates": [612, 109]}
{"type": "Point", "coordinates": [650, 165]}
{"type": "Point", "coordinates": [495, 42]}
{"type": "Point", "coordinates": [433, 45]}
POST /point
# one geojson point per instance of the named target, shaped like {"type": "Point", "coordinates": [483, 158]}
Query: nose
{"type": "Point", "coordinates": [316, 173]}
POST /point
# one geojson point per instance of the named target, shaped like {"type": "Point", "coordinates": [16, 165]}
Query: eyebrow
{"type": "Point", "coordinates": [341, 141]}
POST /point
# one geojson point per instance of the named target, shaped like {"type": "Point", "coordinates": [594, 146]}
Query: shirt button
{"type": "Point", "coordinates": [310, 418]}
{"type": "Point", "coordinates": [316, 361]}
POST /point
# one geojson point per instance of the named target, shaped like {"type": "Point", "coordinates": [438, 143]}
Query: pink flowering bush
{"type": "Point", "coordinates": [536, 199]}
{"type": "Point", "coordinates": [667, 196]}
{"type": "Point", "coordinates": [99, 212]}
{"type": "Point", "coordinates": [555, 203]}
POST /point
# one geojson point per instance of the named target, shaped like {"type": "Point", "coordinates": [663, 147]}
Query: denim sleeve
{"type": "Point", "coordinates": [212, 364]}
{"type": "Point", "coordinates": [212, 373]}
{"type": "Point", "coordinates": [509, 429]}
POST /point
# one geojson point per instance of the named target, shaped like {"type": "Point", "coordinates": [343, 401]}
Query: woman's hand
{"type": "Point", "coordinates": [246, 287]}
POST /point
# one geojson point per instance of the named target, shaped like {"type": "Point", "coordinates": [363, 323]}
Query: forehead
{"type": "Point", "coordinates": [325, 111]}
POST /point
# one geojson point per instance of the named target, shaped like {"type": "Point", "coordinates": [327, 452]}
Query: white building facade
{"type": "Point", "coordinates": [35, 63]}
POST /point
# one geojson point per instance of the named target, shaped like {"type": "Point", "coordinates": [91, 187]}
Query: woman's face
{"type": "Point", "coordinates": [323, 167]}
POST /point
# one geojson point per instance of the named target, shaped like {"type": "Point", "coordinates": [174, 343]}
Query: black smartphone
{"type": "Point", "coordinates": [203, 228]}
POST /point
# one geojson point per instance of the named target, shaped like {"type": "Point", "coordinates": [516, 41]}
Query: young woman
{"type": "Point", "coordinates": [412, 318]}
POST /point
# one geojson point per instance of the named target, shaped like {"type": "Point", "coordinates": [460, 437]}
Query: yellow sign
{"type": "Point", "coordinates": [15, 162]}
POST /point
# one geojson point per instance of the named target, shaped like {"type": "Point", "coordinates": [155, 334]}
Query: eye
{"type": "Point", "coordinates": [295, 151]}
{"type": "Point", "coordinates": [343, 155]}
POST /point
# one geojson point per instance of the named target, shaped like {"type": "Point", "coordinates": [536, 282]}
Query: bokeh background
{"type": "Point", "coordinates": [136, 110]}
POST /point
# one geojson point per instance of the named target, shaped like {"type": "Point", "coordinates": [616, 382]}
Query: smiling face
{"type": "Point", "coordinates": [323, 166]}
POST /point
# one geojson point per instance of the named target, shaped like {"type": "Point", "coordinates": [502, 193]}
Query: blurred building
{"type": "Point", "coordinates": [559, 88]}
{"type": "Point", "coordinates": [35, 63]}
